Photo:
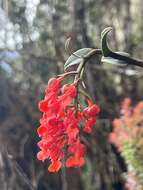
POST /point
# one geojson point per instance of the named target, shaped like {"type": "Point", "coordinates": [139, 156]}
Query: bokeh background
{"type": "Point", "coordinates": [32, 49]}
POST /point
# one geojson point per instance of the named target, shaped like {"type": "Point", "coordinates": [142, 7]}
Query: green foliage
{"type": "Point", "coordinates": [133, 157]}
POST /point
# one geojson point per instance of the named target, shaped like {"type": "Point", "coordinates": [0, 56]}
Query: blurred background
{"type": "Point", "coordinates": [32, 49]}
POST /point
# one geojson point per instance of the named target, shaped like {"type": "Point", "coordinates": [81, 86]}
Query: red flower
{"type": "Point", "coordinates": [74, 161]}
{"type": "Point", "coordinates": [69, 90]}
{"type": "Point", "coordinates": [89, 124]}
{"type": "Point", "coordinates": [90, 115]}
{"type": "Point", "coordinates": [77, 159]}
{"type": "Point", "coordinates": [92, 109]}
{"type": "Point", "coordinates": [43, 105]}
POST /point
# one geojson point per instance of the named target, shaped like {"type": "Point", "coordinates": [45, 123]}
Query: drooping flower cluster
{"type": "Point", "coordinates": [61, 125]}
{"type": "Point", "coordinates": [127, 135]}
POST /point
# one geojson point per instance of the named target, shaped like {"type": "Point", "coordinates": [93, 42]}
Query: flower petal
{"type": "Point", "coordinates": [55, 166]}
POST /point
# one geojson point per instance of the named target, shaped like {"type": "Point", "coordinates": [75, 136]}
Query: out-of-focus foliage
{"type": "Point", "coordinates": [32, 38]}
{"type": "Point", "coordinates": [127, 135]}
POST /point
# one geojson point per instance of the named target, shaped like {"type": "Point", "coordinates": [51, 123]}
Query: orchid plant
{"type": "Point", "coordinates": [69, 111]}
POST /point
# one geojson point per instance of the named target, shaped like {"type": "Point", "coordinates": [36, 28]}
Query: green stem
{"type": "Point", "coordinates": [80, 71]}
{"type": "Point", "coordinates": [68, 73]}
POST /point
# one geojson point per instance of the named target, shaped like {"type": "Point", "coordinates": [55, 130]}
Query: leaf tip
{"type": "Point", "coordinates": [105, 31]}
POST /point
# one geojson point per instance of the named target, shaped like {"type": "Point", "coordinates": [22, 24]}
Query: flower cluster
{"type": "Point", "coordinates": [127, 135]}
{"type": "Point", "coordinates": [128, 125]}
{"type": "Point", "coordinates": [62, 124]}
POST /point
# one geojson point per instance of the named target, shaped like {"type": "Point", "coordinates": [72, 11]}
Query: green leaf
{"type": "Point", "coordinates": [76, 57]}
{"type": "Point", "coordinates": [105, 49]}
{"type": "Point", "coordinates": [117, 58]}
{"type": "Point", "coordinates": [114, 61]}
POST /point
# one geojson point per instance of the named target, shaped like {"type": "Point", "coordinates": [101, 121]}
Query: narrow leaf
{"type": "Point", "coordinates": [76, 57]}
{"type": "Point", "coordinates": [105, 49]}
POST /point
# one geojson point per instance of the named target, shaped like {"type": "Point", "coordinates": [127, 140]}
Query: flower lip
{"type": "Point", "coordinates": [55, 166]}
{"type": "Point", "coordinates": [43, 105]}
